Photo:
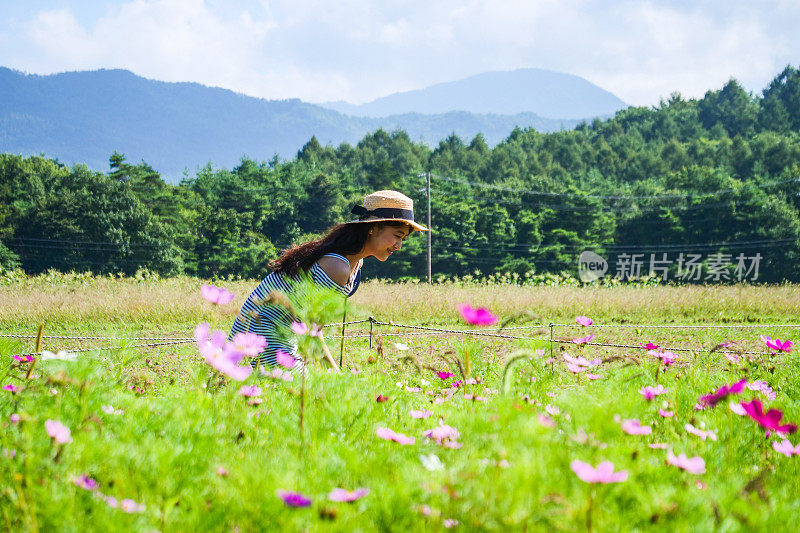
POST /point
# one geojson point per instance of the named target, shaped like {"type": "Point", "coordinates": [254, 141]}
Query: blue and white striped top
{"type": "Point", "coordinates": [269, 320]}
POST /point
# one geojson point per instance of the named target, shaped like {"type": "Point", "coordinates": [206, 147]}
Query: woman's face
{"type": "Point", "coordinates": [385, 240]}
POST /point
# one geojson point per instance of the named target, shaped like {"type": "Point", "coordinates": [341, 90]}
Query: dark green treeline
{"type": "Point", "coordinates": [718, 175]}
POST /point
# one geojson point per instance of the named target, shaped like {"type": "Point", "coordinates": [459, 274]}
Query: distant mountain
{"type": "Point", "coordinates": [541, 92]}
{"type": "Point", "coordinates": [85, 116]}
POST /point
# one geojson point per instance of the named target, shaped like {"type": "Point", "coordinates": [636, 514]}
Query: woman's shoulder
{"type": "Point", "coordinates": [336, 269]}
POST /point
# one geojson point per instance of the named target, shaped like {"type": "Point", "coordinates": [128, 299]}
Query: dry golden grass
{"type": "Point", "coordinates": [176, 302]}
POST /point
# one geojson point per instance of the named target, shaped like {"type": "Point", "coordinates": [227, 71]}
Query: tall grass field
{"type": "Point", "coordinates": [649, 418]}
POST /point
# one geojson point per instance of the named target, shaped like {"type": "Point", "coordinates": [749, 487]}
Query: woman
{"type": "Point", "coordinates": [334, 261]}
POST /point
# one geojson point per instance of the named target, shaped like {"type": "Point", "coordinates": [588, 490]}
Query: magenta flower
{"type": "Point", "coordinates": [85, 482]}
{"type": "Point", "coordinates": [284, 359]}
{"type": "Point", "coordinates": [299, 328]}
{"type": "Point", "coordinates": [769, 420]}
{"type": "Point", "coordinates": [694, 465]}
{"type": "Point", "coordinates": [11, 388]}
{"type": "Point", "coordinates": [216, 295]}
{"type": "Point", "coordinates": [380, 398]}
{"type": "Point", "coordinates": [458, 383]}
{"type": "Point", "coordinates": [422, 413]}
{"type": "Point", "coordinates": [584, 320]}
{"type": "Point", "coordinates": [583, 340]}
{"type": "Point", "coordinates": [444, 375]}
{"type": "Point", "coordinates": [604, 473]}
{"type": "Point", "coordinates": [650, 346]}
{"type": "Point", "coordinates": [650, 392]}
{"type": "Point", "coordinates": [700, 433]}
{"type": "Point", "coordinates": [250, 391]}
{"type": "Point", "coordinates": [446, 436]}
{"type": "Point", "coordinates": [633, 427]}
{"type": "Point", "coordinates": [762, 387]}
{"type": "Point", "coordinates": [777, 344]}
{"type": "Point", "coordinates": [710, 400]}
{"type": "Point", "coordinates": [665, 413]}
{"type": "Point", "coordinates": [477, 317]}
{"type": "Point", "coordinates": [785, 447]}
{"type": "Point", "coordinates": [250, 344]}
{"type": "Point", "coordinates": [294, 499]}
{"type": "Point", "coordinates": [23, 358]}
{"type": "Point", "coordinates": [342, 495]}
{"type": "Point", "coordinates": [58, 431]}
{"type": "Point", "coordinates": [15, 418]}
{"type": "Point", "coordinates": [219, 353]}
{"type": "Point", "coordinates": [388, 434]}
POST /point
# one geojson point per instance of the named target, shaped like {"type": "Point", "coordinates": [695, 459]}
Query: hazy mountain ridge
{"type": "Point", "coordinates": [86, 116]}
{"type": "Point", "coordinates": [542, 92]}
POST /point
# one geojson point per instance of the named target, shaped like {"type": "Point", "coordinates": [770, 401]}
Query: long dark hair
{"type": "Point", "coordinates": [344, 239]}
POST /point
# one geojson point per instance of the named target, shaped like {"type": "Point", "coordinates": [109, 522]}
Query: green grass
{"type": "Point", "coordinates": [511, 472]}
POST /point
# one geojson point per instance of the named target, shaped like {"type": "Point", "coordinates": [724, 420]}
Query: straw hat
{"type": "Point", "coordinates": [387, 206]}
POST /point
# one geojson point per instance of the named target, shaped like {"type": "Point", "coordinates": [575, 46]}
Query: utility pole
{"type": "Point", "coordinates": [429, 228]}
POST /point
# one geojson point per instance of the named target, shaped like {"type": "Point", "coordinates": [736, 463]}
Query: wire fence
{"type": "Point", "coordinates": [416, 330]}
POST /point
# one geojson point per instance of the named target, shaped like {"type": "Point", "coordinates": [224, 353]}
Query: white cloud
{"type": "Point", "coordinates": [360, 49]}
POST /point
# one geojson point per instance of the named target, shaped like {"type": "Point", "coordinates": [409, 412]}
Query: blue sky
{"type": "Point", "coordinates": [356, 50]}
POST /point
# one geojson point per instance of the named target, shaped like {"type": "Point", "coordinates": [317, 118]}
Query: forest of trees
{"type": "Point", "coordinates": [713, 179]}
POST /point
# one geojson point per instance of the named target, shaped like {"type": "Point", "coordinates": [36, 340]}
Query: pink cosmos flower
{"type": "Point", "coordinates": [475, 398]}
{"type": "Point", "coordinates": [422, 413]}
{"type": "Point", "coordinates": [219, 353]}
{"type": "Point", "coordinates": [581, 361]}
{"type": "Point", "coordinates": [695, 465]}
{"type": "Point", "coordinates": [604, 473]}
{"type": "Point", "coordinates": [732, 358]}
{"type": "Point", "coordinates": [584, 320]}
{"type": "Point", "coordinates": [284, 359]}
{"type": "Point", "coordinates": [650, 392]}
{"type": "Point", "coordinates": [216, 295]}
{"type": "Point", "coordinates": [575, 368]}
{"type": "Point", "coordinates": [444, 435]}
{"type": "Point", "coordinates": [342, 495]}
{"type": "Point", "coordinates": [294, 499]}
{"type": "Point", "coordinates": [458, 383]}
{"type": "Point", "coordinates": [666, 357]}
{"type": "Point", "coordinates": [250, 344]}
{"type": "Point", "coordinates": [476, 317]}
{"type": "Point", "coordinates": [665, 413]}
{"type": "Point", "coordinates": [593, 376]}
{"type": "Point", "coordinates": [700, 433]}
{"type": "Point", "coordinates": [250, 391]}
{"type": "Point", "coordinates": [13, 389]}
{"type": "Point", "coordinates": [769, 420]}
{"type": "Point", "coordinates": [583, 340]}
{"type": "Point", "coordinates": [15, 418]}
{"type": "Point", "coordinates": [111, 501]}
{"type": "Point", "coordinates": [650, 346]}
{"type": "Point", "coordinates": [444, 375]}
{"type": "Point", "coordinates": [449, 523]}
{"type": "Point", "coordinates": [130, 506]}
{"type": "Point", "coordinates": [58, 431]}
{"type": "Point", "coordinates": [633, 427]}
{"type": "Point", "coordinates": [737, 408]}
{"type": "Point", "coordinates": [316, 330]}
{"type": "Point", "coordinates": [785, 447]}
{"type": "Point", "coordinates": [546, 421]}
{"type": "Point", "coordinates": [388, 434]}
{"type": "Point", "coordinates": [763, 387]}
{"type": "Point", "coordinates": [85, 482]}
{"type": "Point", "coordinates": [552, 410]}
{"type": "Point", "coordinates": [777, 344]}
{"type": "Point", "coordinates": [23, 358]}
{"type": "Point", "coordinates": [710, 400]}
{"type": "Point", "coordinates": [277, 373]}
{"type": "Point", "coordinates": [299, 328]}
